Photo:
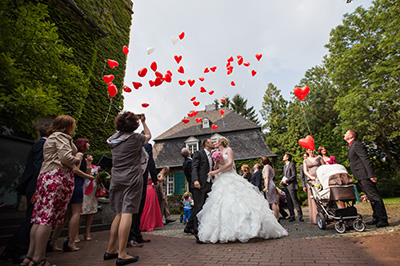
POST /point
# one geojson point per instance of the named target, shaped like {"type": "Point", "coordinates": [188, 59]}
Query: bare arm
{"type": "Point", "coordinates": [78, 172]}
{"type": "Point", "coordinates": [146, 130]}
{"type": "Point", "coordinates": [306, 172]}
{"type": "Point", "coordinates": [227, 166]}
{"type": "Point", "coordinates": [266, 180]}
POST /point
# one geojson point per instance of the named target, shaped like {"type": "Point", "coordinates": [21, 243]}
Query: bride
{"type": "Point", "coordinates": [234, 210]}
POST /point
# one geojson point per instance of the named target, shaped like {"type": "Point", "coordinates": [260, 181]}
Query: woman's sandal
{"type": "Point", "coordinates": [67, 248]}
{"type": "Point", "coordinates": [87, 238]}
{"type": "Point", "coordinates": [26, 263]}
{"type": "Point", "coordinates": [43, 262]}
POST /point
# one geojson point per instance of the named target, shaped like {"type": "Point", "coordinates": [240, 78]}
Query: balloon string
{"type": "Point", "coordinates": [109, 109]}
{"type": "Point", "coordinates": [305, 118]}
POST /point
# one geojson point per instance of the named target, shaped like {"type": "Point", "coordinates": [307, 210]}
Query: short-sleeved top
{"type": "Point", "coordinates": [313, 165]}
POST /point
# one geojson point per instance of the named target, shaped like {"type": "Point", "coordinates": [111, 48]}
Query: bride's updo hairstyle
{"type": "Point", "coordinates": [224, 141]}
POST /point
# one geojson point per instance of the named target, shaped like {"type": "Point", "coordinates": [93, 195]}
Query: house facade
{"type": "Point", "coordinates": [244, 136]}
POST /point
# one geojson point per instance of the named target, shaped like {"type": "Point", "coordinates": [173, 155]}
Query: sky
{"type": "Point", "coordinates": [289, 34]}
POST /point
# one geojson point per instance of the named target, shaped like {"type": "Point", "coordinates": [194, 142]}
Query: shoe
{"type": "Point", "coordinates": [120, 261]}
{"type": "Point", "coordinates": [301, 219]}
{"type": "Point", "coordinates": [29, 259]}
{"type": "Point", "coordinates": [198, 241]}
{"type": "Point", "coordinates": [170, 221]}
{"type": "Point", "coordinates": [134, 244]}
{"type": "Point", "coordinates": [292, 219]}
{"type": "Point", "coordinates": [39, 263]}
{"type": "Point", "coordinates": [141, 240]}
{"type": "Point", "coordinates": [189, 231]}
{"type": "Point", "coordinates": [87, 238]}
{"type": "Point", "coordinates": [67, 248]}
{"type": "Point", "coordinates": [110, 256]}
{"type": "Point", "coordinates": [382, 224]}
{"type": "Point", "coordinates": [372, 222]}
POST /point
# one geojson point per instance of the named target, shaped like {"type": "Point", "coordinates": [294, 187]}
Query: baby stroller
{"type": "Point", "coordinates": [335, 184]}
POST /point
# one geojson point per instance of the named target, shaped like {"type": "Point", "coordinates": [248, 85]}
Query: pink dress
{"type": "Point", "coordinates": [312, 170]}
{"type": "Point", "coordinates": [151, 215]}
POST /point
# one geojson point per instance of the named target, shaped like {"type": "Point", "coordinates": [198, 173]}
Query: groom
{"type": "Point", "coordinates": [202, 164]}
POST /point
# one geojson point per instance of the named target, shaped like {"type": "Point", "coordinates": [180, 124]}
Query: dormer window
{"type": "Point", "coordinates": [192, 144]}
{"type": "Point", "coordinates": [206, 123]}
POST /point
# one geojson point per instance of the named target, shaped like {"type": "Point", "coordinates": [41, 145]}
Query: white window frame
{"type": "Point", "coordinates": [206, 123]}
{"type": "Point", "coordinates": [170, 184]}
{"type": "Point", "coordinates": [192, 144]}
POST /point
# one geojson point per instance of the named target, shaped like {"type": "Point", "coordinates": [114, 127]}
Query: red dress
{"type": "Point", "coordinates": [151, 215]}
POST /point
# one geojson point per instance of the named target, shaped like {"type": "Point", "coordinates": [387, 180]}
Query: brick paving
{"type": "Point", "coordinates": [305, 245]}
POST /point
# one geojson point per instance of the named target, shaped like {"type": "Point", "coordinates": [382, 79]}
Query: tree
{"type": "Point", "coordinates": [239, 105]}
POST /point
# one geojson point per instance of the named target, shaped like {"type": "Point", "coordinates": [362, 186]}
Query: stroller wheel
{"type": "Point", "coordinates": [321, 222]}
{"type": "Point", "coordinates": [359, 225]}
{"type": "Point", "coordinates": [340, 227]}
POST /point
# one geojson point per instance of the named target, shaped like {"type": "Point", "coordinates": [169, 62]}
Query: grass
{"type": "Point", "coordinates": [387, 201]}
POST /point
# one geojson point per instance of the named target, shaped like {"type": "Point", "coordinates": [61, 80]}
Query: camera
{"type": "Point", "coordinates": [139, 116]}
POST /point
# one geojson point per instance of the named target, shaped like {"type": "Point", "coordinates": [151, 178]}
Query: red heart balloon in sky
{"type": "Point", "coordinates": [169, 72]}
{"type": "Point", "coordinates": [246, 64]}
{"type": "Point", "coordinates": [240, 60]}
{"type": "Point", "coordinates": [191, 82]}
{"type": "Point", "coordinates": [190, 114]}
{"type": "Point", "coordinates": [182, 35]}
{"type": "Point", "coordinates": [223, 100]}
{"type": "Point", "coordinates": [201, 79]}
{"type": "Point", "coordinates": [159, 75]}
{"type": "Point", "coordinates": [181, 82]}
{"type": "Point", "coordinates": [158, 81]}
{"type": "Point", "coordinates": [202, 90]}
{"type": "Point", "coordinates": [193, 98]}
{"type": "Point", "coordinates": [198, 120]}
{"type": "Point", "coordinates": [142, 72]}
{"type": "Point", "coordinates": [153, 66]}
{"type": "Point", "coordinates": [253, 73]}
{"type": "Point", "coordinates": [126, 88]}
{"type": "Point", "coordinates": [307, 143]}
{"type": "Point", "coordinates": [206, 70]}
{"type": "Point", "coordinates": [125, 49]}
{"type": "Point", "coordinates": [211, 92]}
{"type": "Point", "coordinates": [258, 56]}
{"type": "Point", "coordinates": [151, 83]}
{"type": "Point", "coordinates": [137, 85]}
{"type": "Point", "coordinates": [195, 113]}
{"type": "Point", "coordinates": [112, 89]}
{"type": "Point", "coordinates": [221, 112]}
{"type": "Point", "coordinates": [196, 103]}
{"type": "Point", "coordinates": [214, 127]}
{"type": "Point", "coordinates": [178, 58]}
{"type": "Point", "coordinates": [167, 78]}
{"type": "Point", "coordinates": [229, 72]}
{"type": "Point", "coordinates": [185, 120]}
{"type": "Point", "coordinates": [213, 68]}
{"type": "Point", "coordinates": [145, 105]}
{"type": "Point", "coordinates": [228, 64]}
{"type": "Point", "coordinates": [230, 59]}
{"type": "Point", "coordinates": [108, 78]}
{"type": "Point", "coordinates": [301, 93]}
{"type": "Point", "coordinates": [233, 83]}
{"type": "Point", "coordinates": [181, 70]}
{"type": "Point", "coordinates": [112, 63]}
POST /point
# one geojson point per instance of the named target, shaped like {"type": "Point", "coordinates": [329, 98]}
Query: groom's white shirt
{"type": "Point", "coordinates": [209, 178]}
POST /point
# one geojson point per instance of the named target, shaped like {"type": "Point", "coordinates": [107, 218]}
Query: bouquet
{"type": "Point", "coordinates": [217, 156]}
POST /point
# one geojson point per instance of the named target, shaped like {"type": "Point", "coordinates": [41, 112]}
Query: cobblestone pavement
{"type": "Point", "coordinates": [305, 245]}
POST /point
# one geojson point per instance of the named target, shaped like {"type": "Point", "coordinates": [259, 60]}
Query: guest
{"type": "Point", "coordinates": [162, 195]}
{"type": "Point", "coordinates": [281, 197]}
{"type": "Point", "coordinates": [303, 177]}
{"type": "Point", "coordinates": [129, 163]}
{"type": "Point", "coordinates": [151, 215]}
{"type": "Point", "coordinates": [246, 173]}
{"type": "Point", "coordinates": [187, 206]}
{"type": "Point", "coordinates": [75, 205]}
{"type": "Point", "coordinates": [325, 155]}
{"type": "Point", "coordinates": [311, 165]}
{"type": "Point", "coordinates": [257, 177]}
{"type": "Point", "coordinates": [187, 168]}
{"type": "Point", "coordinates": [270, 188]}
{"type": "Point", "coordinates": [55, 186]}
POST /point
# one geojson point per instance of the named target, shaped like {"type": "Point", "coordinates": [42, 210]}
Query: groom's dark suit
{"type": "Point", "coordinates": [200, 169]}
{"type": "Point", "coordinates": [291, 186]}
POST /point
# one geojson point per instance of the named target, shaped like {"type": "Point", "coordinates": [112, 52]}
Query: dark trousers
{"type": "Point", "coordinates": [199, 198]}
{"type": "Point", "coordinates": [295, 202]}
{"type": "Point", "coordinates": [379, 211]}
{"type": "Point", "coordinates": [135, 232]}
{"type": "Point", "coordinates": [289, 201]}
{"type": "Point", "coordinates": [282, 204]}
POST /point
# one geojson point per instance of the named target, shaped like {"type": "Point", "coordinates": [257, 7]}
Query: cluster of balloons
{"type": "Point", "coordinates": [307, 142]}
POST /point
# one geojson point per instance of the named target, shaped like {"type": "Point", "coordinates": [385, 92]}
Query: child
{"type": "Point", "coordinates": [187, 206]}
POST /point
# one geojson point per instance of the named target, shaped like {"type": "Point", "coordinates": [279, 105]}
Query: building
{"type": "Point", "coordinates": [245, 138]}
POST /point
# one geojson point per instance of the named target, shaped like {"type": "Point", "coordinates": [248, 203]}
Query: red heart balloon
{"type": "Point", "coordinates": [169, 72]}
{"type": "Point", "coordinates": [191, 82]}
{"type": "Point", "coordinates": [137, 85]}
{"type": "Point", "coordinates": [258, 56]}
{"type": "Point", "coordinates": [196, 103]}
{"type": "Point", "coordinates": [233, 83]}
{"type": "Point", "coordinates": [112, 63]}
{"type": "Point", "coordinates": [246, 64]}
{"type": "Point", "coordinates": [307, 143]}
{"type": "Point", "coordinates": [158, 81]}
{"type": "Point", "coordinates": [214, 127]}
{"type": "Point", "coordinates": [211, 92]}
{"type": "Point", "coordinates": [153, 66]}
{"type": "Point", "coordinates": [240, 60]}
{"type": "Point", "coordinates": [213, 68]}
{"type": "Point", "coordinates": [142, 72]}
{"type": "Point", "coordinates": [228, 64]}
{"type": "Point", "coordinates": [201, 79]}
{"type": "Point", "coordinates": [193, 98]}
{"type": "Point", "coordinates": [198, 120]}
{"type": "Point", "coordinates": [108, 78]}
{"type": "Point", "coordinates": [125, 49]}
{"type": "Point", "coordinates": [223, 100]}
{"type": "Point", "coordinates": [202, 90]}
{"type": "Point", "coordinates": [301, 93]}
{"type": "Point", "coordinates": [112, 89]}
{"type": "Point", "coordinates": [182, 35]}
{"type": "Point", "coordinates": [229, 72]}
{"type": "Point", "coordinates": [206, 70]}
{"type": "Point", "coordinates": [195, 113]}
{"type": "Point", "coordinates": [253, 73]}
{"type": "Point", "coordinates": [167, 78]}
{"type": "Point", "coordinates": [181, 70]}
{"type": "Point", "coordinates": [230, 59]}
{"type": "Point", "coordinates": [151, 83]}
{"type": "Point", "coordinates": [190, 114]}
{"type": "Point", "coordinates": [126, 88]}
{"type": "Point", "coordinates": [159, 75]}
{"type": "Point", "coordinates": [178, 58]}
{"type": "Point", "coordinates": [181, 82]}
{"type": "Point", "coordinates": [221, 112]}
{"type": "Point", "coordinates": [185, 120]}
{"type": "Point", "coordinates": [145, 105]}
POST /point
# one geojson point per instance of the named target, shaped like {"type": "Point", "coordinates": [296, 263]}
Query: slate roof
{"type": "Point", "coordinates": [244, 136]}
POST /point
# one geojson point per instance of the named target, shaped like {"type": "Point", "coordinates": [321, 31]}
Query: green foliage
{"type": "Point", "coordinates": [239, 105]}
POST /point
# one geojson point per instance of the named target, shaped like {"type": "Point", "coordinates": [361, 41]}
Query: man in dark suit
{"type": "Point", "coordinates": [257, 177]}
{"type": "Point", "coordinates": [291, 187]}
{"type": "Point", "coordinates": [135, 235]}
{"type": "Point", "coordinates": [362, 170]}
{"type": "Point", "coordinates": [187, 168]}
{"type": "Point", "coordinates": [202, 164]}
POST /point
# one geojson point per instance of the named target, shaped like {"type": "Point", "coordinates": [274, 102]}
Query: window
{"type": "Point", "coordinates": [170, 185]}
{"type": "Point", "coordinates": [206, 123]}
{"type": "Point", "coordinates": [192, 144]}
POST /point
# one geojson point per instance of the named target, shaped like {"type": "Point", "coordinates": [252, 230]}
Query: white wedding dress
{"type": "Point", "coordinates": [234, 210]}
